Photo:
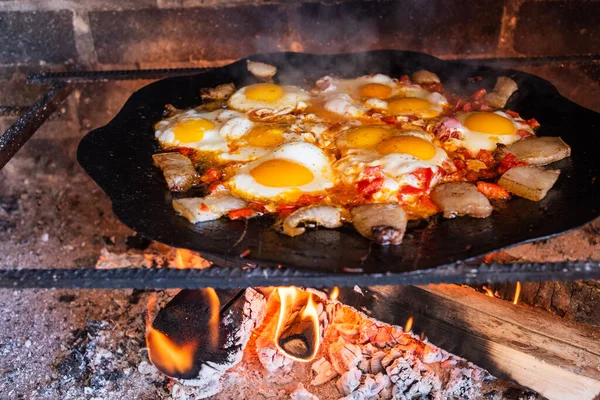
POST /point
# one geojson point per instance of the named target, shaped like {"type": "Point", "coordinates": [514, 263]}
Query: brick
{"type": "Point", "coordinates": [31, 37]}
{"type": "Point", "coordinates": [438, 27]}
{"type": "Point", "coordinates": [168, 35]}
{"type": "Point", "coordinates": [558, 28]}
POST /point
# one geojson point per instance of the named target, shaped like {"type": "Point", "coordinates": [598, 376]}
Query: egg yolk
{"type": "Point", "coordinates": [192, 130]}
{"type": "Point", "coordinates": [281, 173]}
{"type": "Point", "coordinates": [365, 137]}
{"type": "Point", "coordinates": [268, 92]}
{"type": "Point", "coordinates": [265, 136]}
{"type": "Point", "coordinates": [407, 105]}
{"type": "Point", "coordinates": [375, 90]}
{"type": "Point", "coordinates": [491, 123]}
{"type": "Point", "coordinates": [412, 145]}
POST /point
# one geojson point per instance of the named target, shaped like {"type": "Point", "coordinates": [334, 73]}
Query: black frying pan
{"type": "Point", "coordinates": [118, 157]}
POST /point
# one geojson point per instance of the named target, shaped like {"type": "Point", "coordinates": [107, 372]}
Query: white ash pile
{"type": "Point", "coordinates": [358, 358]}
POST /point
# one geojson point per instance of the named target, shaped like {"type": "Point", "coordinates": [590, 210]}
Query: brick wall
{"type": "Point", "coordinates": [59, 34]}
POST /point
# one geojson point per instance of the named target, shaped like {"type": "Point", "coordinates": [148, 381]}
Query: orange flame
{"type": "Point", "coordinates": [488, 291]}
{"type": "Point", "coordinates": [517, 293]}
{"type": "Point", "coordinates": [167, 356]}
{"type": "Point", "coordinates": [215, 320]}
{"type": "Point", "coordinates": [300, 305]}
{"type": "Point", "coordinates": [185, 259]}
{"type": "Point", "coordinates": [178, 359]}
{"type": "Point", "coordinates": [335, 292]}
{"type": "Point", "coordinates": [409, 324]}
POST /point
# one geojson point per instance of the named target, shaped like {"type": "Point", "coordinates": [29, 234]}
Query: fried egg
{"type": "Point", "coordinates": [356, 97]}
{"type": "Point", "coordinates": [269, 96]}
{"type": "Point", "coordinates": [398, 156]}
{"type": "Point", "coordinates": [345, 97]}
{"type": "Point", "coordinates": [377, 86]}
{"type": "Point", "coordinates": [413, 100]}
{"type": "Point", "coordinates": [481, 130]}
{"type": "Point", "coordinates": [284, 174]}
{"type": "Point", "coordinates": [260, 140]}
{"type": "Point", "coordinates": [203, 131]}
{"type": "Point", "coordinates": [369, 136]}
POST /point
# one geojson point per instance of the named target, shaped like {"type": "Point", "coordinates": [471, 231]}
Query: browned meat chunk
{"type": "Point", "coordinates": [461, 198]}
{"type": "Point", "coordinates": [536, 151]}
{"type": "Point", "coordinates": [504, 88]}
{"type": "Point", "coordinates": [383, 223]}
{"type": "Point", "coordinates": [529, 182]}
{"type": "Point", "coordinates": [326, 216]}
{"type": "Point", "coordinates": [178, 170]}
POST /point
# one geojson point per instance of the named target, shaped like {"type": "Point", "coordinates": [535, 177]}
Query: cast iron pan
{"type": "Point", "coordinates": [118, 157]}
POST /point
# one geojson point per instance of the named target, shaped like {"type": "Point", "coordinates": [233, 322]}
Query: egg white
{"type": "Point", "coordinates": [243, 185]}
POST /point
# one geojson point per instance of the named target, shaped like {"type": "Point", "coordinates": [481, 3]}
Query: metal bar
{"type": "Point", "coordinates": [227, 278]}
{"type": "Point", "coordinates": [24, 128]}
{"type": "Point", "coordinates": [105, 76]}
{"type": "Point", "coordinates": [531, 61]}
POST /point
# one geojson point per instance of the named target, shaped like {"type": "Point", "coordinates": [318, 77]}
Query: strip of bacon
{"type": "Point", "coordinates": [241, 213]}
{"type": "Point", "coordinates": [211, 175]}
{"type": "Point", "coordinates": [509, 161]}
{"type": "Point", "coordinates": [478, 94]}
{"type": "Point", "coordinates": [492, 191]}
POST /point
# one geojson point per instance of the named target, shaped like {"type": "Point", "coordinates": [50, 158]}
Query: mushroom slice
{"type": "Point", "coordinates": [504, 88]}
{"type": "Point", "coordinates": [262, 71]}
{"type": "Point", "coordinates": [424, 77]}
{"type": "Point", "coordinates": [530, 182]}
{"type": "Point", "coordinates": [461, 198]}
{"type": "Point", "coordinates": [326, 216]}
{"type": "Point", "coordinates": [384, 223]}
{"type": "Point", "coordinates": [178, 170]}
{"type": "Point", "coordinates": [211, 207]}
{"type": "Point", "coordinates": [221, 92]}
{"type": "Point", "coordinates": [536, 151]}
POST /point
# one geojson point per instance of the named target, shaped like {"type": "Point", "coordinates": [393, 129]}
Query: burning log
{"type": "Point", "coordinates": [294, 329]}
{"type": "Point", "coordinates": [196, 340]}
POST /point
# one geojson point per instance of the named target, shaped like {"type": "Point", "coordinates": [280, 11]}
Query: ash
{"type": "Point", "coordinates": [359, 358]}
{"type": "Point", "coordinates": [76, 345]}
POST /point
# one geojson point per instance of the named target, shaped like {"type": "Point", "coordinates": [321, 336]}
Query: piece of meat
{"type": "Point", "coordinates": [461, 198]}
{"type": "Point", "coordinates": [211, 207]}
{"type": "Point", "coordinates": [384, 223]}
{"type": "Point", "coordinates": [536, 151]}
{"type": "Point", "coordinates": [221, 92]}
{"type": "Point", "coordinates": [504, 88]}
{"type": "Point", "coordinates": [326, 216]}
{"type": "Point", "coordinates": [425, 77]}
{"type": "Point", "coordinates": [262, 71]}
{"type": "Point", "coordinates": [178, 170]}
{"type": "Point", "coordinates": [530, 182]}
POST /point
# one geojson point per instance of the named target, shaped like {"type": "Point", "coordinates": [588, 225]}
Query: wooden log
{"type": "Point", "coordinates": [299, 337]}
{"type": "Point", "coordinates": [557, 358]}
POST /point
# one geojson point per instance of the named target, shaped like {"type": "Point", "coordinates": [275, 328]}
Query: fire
{"type": "Point", "coordinates": [167, 356]}
{"type": "Point", "coordinates": [298, 331]}
{"type": "Point", "coordinates": [409, 324]}
{"type": "Point", "coordinates": [335, 292]}
{"type": "Point", "coordinates": [517, 293]}
{"type": "Point", "coordinates": [185, 259]}
{"type": "Point", "coordinates": [488, 291]}
{"type": "Point", "coordinates": [215, 320]}
{"type": "Point", "coordinates": [174, 356]}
